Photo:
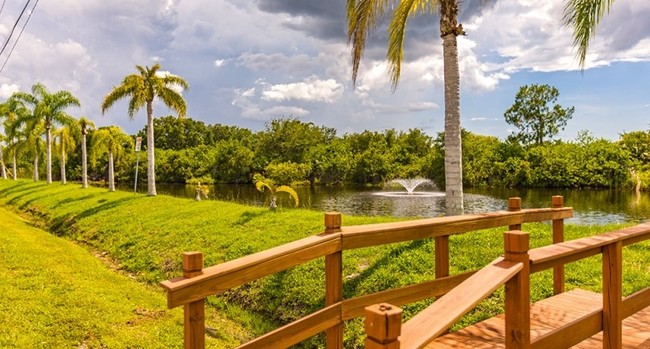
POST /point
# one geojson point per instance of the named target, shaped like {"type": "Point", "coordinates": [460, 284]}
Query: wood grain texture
{"type": "Point", "coordinates": [353, 308]}
{"type": "Point", "coordinates": [386, 233]}
{"type": "Point", "coordinates": [298, 330]}
{"type": "Point", "coordinates": [439, 316]}
{"type": "Point", "coordinates": [218, 278]}
{"type": "Point", "coordinates": [612, 295]}
{"type": "Point", "coordinates": [554, 314]}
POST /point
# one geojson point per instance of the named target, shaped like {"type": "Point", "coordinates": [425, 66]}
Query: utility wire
{"type": "Point", "coordinates": [4, 46]}
{"type": "Point", "coordinates": [3, 6]}
{"type": "Point", "coordinates": [19, 35]}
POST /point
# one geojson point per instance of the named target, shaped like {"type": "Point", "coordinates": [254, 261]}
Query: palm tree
{"type": "Point", "coordinates": [3, 169]}
{"type": "Point", "coordinates": [48, 107]}
{"type": "Point", "coordinates": [362, 17]}
{"type": "Point", "coordinates": [65, 144]}
{"type": "Point", "coordinates": [583, 17]}
{"type": "Point", "coordinates": [12, 110]}
{"type": "Point", "coordinates": [111, 140]}
{"type": "Point", "coordinates": [142, 89]}
{"type": "Point", "coordinates": [84, 125]}
{"type": "Point", "coordinates": [262, 184]}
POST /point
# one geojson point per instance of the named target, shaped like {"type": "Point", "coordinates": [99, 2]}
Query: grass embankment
{"type": "Point", "coordinates": [146, 236]}
{"type": "Point", "coordinates": [57, 295]}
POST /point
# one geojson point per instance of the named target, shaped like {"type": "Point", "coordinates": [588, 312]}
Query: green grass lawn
{"type": "Point", "coordinates": [145, 237]}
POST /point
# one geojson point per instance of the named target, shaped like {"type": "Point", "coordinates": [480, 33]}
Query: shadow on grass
{"type": "Point", "coordinates": [248, 216]}
{"type": "Point", "coordinates": [350, 286]}
{"type": "Point", "coordinates": [22, 193]}
{"type": "Point", "coordinates": [18, 187]}
{"type": "Point", "coordinates": [70, 200]}
{"type": "Point", "coordinates": [103, 207]}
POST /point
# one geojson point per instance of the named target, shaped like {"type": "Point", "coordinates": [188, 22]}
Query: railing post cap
{"type": "Point", "coordinates": [192, 263]}
{"type": "Point", "coordinates": [383, 322]}
{"type": "Point", "coordinates": [557, 201]}
{"type": "Point", "coordinates": [516, 241]}
{"type": "Point", "coordinates": [514, 204]}
{"type": "Point", "coordinates": [332, 221]}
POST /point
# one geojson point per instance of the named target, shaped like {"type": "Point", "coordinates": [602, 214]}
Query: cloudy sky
{"type": "Point", "coordinates": [248, 62]}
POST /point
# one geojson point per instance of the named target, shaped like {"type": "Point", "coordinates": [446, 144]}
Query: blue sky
{"type": "Point", "coordinates": [248, 62]}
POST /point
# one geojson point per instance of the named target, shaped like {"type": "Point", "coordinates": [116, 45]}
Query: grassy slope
{"type": "Point", "coordinates": [147, 235]}
{"type": "Point", "coordinates": [55, 294]}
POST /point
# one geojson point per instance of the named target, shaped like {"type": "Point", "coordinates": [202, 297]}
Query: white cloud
{"type": "Point", "coordinates": [219, 62]}
{"type": "Point", "coordinates": [6, 90]}
{"type": "Point", "coordinates": [311, 89]}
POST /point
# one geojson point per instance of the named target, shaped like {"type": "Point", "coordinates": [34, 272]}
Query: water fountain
{"type": "Point", "coordinates": [410, 185]}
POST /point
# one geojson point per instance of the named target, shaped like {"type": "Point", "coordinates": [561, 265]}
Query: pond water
{"type": "Point", "coordinates": [590, 206]}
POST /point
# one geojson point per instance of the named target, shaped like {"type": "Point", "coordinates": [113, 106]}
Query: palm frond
{"type": "Point", "coordinates": [583, 16]}
{"type": "Point", "coordinates": [287, 189]}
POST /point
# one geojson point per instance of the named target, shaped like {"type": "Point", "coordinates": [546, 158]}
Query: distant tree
{"type": "Point", "coordinates": [11, 111]}
{"type": "Point", "coordinates": [287, 140]}
{"type": "Point", "coordinates": [64, 143]}
{"type": "Point", "coordinates": [48, 109]}
{"type": "Point", "coordinates": [142, 89]}
{"type": "Point", "coordinates": [84, 126]}
{"type": "Point", "coordinates": [534, 117]}
{"type": "Point", "coordinates": [109, 140]}
{"type": "Point", "coordinates": [175, 133]}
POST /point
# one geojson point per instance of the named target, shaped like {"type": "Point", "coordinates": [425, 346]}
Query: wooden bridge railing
{"type": "Point", "coordinates": [198, 283]}
{"type": "Point", "coordinates": [433, 321]}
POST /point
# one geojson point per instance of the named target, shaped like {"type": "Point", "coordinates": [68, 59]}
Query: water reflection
{"type": "Point", "coordinates": [590, 206]}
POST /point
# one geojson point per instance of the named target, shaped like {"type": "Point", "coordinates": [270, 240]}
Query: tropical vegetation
{"type": "Point", "coordinates": [141, 89]}
{"type": "Point", "coordinates": [362, 18]}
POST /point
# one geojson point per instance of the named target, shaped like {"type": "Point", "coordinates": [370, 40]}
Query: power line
{"type": "Point", "coordinates": [4, 46]}
{"type": "Point", "coordinates": [19, 35]}
{"type": "Point", "coordinates": [3, 6]}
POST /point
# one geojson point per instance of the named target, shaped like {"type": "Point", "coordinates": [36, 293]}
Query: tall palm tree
{"type": "Point", "coordinates": [583, 17]}
{"type": "Point", "coordinates": [13, 110]}
{"type": "Point", "coordinates": [50, 108]}
{"type": "Point", "coordinates": [142, 89]}
{"type": "Point", "coordinates": [111, 140]}
{"type": "Point", "coordinates": [362, 18]}
{"type": "Point", "coordinates": [64, 141]}
{"type": "Point", "coordinates": [84, 125]}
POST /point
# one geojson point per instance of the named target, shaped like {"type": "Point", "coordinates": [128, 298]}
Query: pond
{"type": "Point", "coordinates": [590, 206]}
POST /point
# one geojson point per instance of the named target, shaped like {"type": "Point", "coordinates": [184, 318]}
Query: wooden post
{"type": "Point", "coordinates": [333, 281]}
{"type": "Point", "coordinates": [557, 201]}
{"type": "Point", "coordinates": [612, 293]}
{"type": "Point", "coordinates": [441, 250]}
{"type": "Point", "coordinates": [514, 204]}
{"type": "Point", "coordinates": [194, 322]}
{"type": "Point", "coordinates": [517, 321]}
{"type": "Point", "coordinates": [383, 326]}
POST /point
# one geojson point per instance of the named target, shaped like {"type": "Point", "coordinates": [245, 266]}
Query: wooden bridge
{"type": "Point", "coordinates": [576, 318]}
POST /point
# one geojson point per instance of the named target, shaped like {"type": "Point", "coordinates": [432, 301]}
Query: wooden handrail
{"type": "Point", "coordinates": [359, 236]}
{"type": "Point", "coordinates": [221, 277]}
{"type": "Point", "coordinates": [546, 257]}
{"type": "Point", "coordinates": [439, 316]}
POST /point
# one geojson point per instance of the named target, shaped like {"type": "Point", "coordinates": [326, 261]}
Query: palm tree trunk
{"type": "Point", "coordinates": [13, 165]}
{"type": "Point", "coordinates": [84, 160]}
{"type": "Point", "coordinates": [63, 179]}
{"type": "Point", "coordinates": [111, 172]}
{"type": "Point", "coordinates": [2, 165]}
{"type": "Point", "coordinates": [36, 168]}
{"type": "Point", "coordinates": [48, 165]}
{"type": "Point", "coordinates": [449, 30]}
{"type": "Point", "coordinates": [151, 174]}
